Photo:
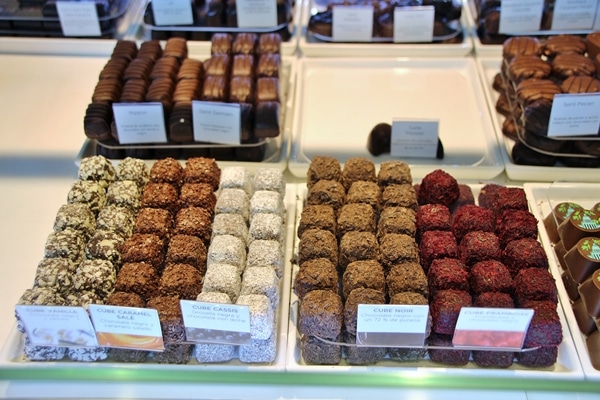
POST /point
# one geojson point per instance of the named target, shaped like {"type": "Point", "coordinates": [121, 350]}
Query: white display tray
{"type": "Point", "coordinates": [542, 198]}
{"type": "Point", "coordinates": [339, 100]}
{"type": "Point", "coordinates": [488, 68]}
{"type": "Point", "coordinates": [277, 149]}
{"type": "Point", "coordinates": [311, 47]}
{"type": "Point", "coordinates": [11, 355]}
{"type": "Point", "coordinates": [567, 366]}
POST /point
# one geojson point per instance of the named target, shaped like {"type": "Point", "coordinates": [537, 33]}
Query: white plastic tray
{"type": "Point", "coordinates": [488, 67]}
{"type": "Point", "coordinates": [339, 100]}
{"type": "Point", "coordinates": [542, 198]}
{"type": "Point", "coordinates": [11, 355]}
{"type": "Point", "coordinates": [311, 47]}
{"type": "Point", "coordinates": [566, 367]}
{"type": "Point", "coordinates": [277, 149]}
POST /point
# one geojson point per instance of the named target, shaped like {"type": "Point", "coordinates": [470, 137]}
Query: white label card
{"type": "Point", "coordinates": [414, 138]}
{"type": "Point", "coordinates": [413, 24]}
{"type": "Point", "coordinates": [492, 327]}
{"type": "Point", "coordinates": [216, 122]}
{"type": "Point", "coordinates": [172, 12]}
{"type": "Point", "coordinates": [574, 14]}
{"type": "Point", "coordinates": [352, 24]}
{"type": "Point", "coordinates": [597, 19]}
{"type": "Point", "coordinates": [78, 18]}
{"type": "Point", "coordinates": [575, 115]}
{"type": "Point", "coordinates": [391, 325]}
{"type": "Point", "coordinates": [127, 327]}
{"type": "Point", "coordinates": [521, 16]}
{"type": "Point", "coordinates": [57, 326]}
{"type": "Point", "coordinates": [140, 122]}
{"type": "Point", "coordinates": [256, 13]}
{"type": "Point", "coordinates": [216, 323]}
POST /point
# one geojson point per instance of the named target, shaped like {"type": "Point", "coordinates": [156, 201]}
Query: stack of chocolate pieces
{"type": "Point", "coordinates": [357, 246]}
{"type": "Point", "coordinates": [532, 73]}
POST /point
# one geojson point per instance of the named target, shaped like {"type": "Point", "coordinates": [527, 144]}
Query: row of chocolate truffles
{"type": "Point", "coordinates": [174, 80]}
{"type": "Point", "coordinates": [245, 260]}
{"type": "Point", "coordinates": [81, 254]}
{"type": "Point", "coordinates": [437, 218]}
{"type": "Point", "coordinates": [355, 248]}
{"type": "Point", "coordinates": [575, 236]}
{"type": "Point", "coordinates": [529, 78]}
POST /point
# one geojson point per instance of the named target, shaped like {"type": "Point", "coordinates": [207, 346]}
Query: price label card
{"type": "Point", "coordinates": [574, 14]}
{"type": "Point", "coordinates": [78, 18]}
{"type": "Point", "coordinates": [413, 24]}
{"type": "Point", "coordinates": [575, 115]}
{"type": "Point", "coordinates": [521, 16]}
{"type": "Point", "coordinates": [597, 20]}
{"type": "Point", "coordinates": [57, 326]}
{"type": "Point", "coordinates": [352, 24]}
{"type": "Point", "coordinates": [216, 323]}
{"type": "Point", "coordinates": [391, 325]}
{"type": "Point", "coordinates": [127, 327]}
{"type": "Point", "coordinates": [492, 327]}
{"type": "Point", "coordinates": [256, 13]}
{"type": "Point", "coordinates": [172, 12]}
{"type": "Point", "coordinates": [216, 122]}
{"type": "Point", "coordinates": [414, 138]}
{"type": "Point", "coordinates": [140, 122]}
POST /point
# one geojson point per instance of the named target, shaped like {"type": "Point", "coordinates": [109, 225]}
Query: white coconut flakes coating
{"type": "Point", "coordinates": [262, 317]}
{"type": "Point", "coordinates": [227, 249]}
{"type": "Point", "coordinates": [230, 224]}
{"type": "Point", "coordinates": [223, 278]}
{"type": "Point", "coordinates": [266, 202]}
{"type": "Point", "coordinates": [235, 177]}
{"type": "Point", "coordinates": [261, 280]}
{"type": "Point", "coordinates": [233, 201]}
{"type": "Point", "coordinates": [266, 253]}
{"type": "Point", "coordinates": [266, 227]}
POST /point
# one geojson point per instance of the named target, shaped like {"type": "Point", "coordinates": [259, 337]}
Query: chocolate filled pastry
{"type": "Point", "coordinates": [266, 119]}
{"type": "Point", "coordinates": [526, 67]}
{"type": "Point", "coordinates": [150, 49]}
{"type": "Point", "coordinates": [241, 90]}
{"type": "Point", "coordinates": [181, 129]}
{"type": "Point", "coordinates": [161, 90]}
{"type": "Point", "coordinates": [509, 128]}
{"type": "Point", "coordinates": [138, 68]}
{"type": "Point", "coordinates": [521, 45]}
{"type": "Point", "coordinates": [107, 90]}
{"type": "Point", "coordinates": [537, 116]}
{"type": "Point", "coordinates": [245, 43]}
{"type": "Point", "coordinates": [218, 64]}
{"type": "Point", "coordinates": [592, 41]}
{"type": "Point", "coordinates": [191, 69]}
{"type": "Point", "coordinates": [498, 83]}
{"type": "Point", "coordinates": [503, 106]}
{"type": "Point", "coordinates": [243, 65]}
{"type": "Point", "coordinates": [523, 155]}
{"type": "Point", "coordinates": [268, 65]}
{"type": "Point", "coordinates": [269, 43]}
{"type": "Point", "coordinates": [531, 90]}
{"type": "Point", "coordinates": [214, 88]}
{"type": "Point", "coordinates": [134, 91]}
{"type": "Point", "coordinates": [580, 84]}
{"type": "Point", "coordinates": [559, 44]}
{"type": "Point", "coordinates": [267, 89]}
{"type": "Point", "coordinates": [96, 122]}
{"type": "Point", "coordinates": [221, 43]}
{"type": "Point", "coordinates": [572, 64]}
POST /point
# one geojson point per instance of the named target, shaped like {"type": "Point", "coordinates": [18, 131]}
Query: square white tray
{"type": "Point", "coordinates": [311, 47]}
{"type": "Point", "coordinates": [488, 67]}
{"type": "Point", "coordinates": [12, 357]}
{"type": "Point", "coordinates": [542, 199]}
{"type": "Point", "coordinates": [567, 366]}
{"type": "Point", "coordinates": [339, 100]}
{"type": "Point", "coordinates": [278, 149]}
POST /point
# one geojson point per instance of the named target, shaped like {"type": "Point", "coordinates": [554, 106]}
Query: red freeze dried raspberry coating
{"type": "Point", "coordinates": [545, 328]}
{"type": "Point", "coordinates": [433, 217]}
{"type": "Point", "coordinates": [445, 308]}
{"type": "Point", "coordinates": [490, 276]}
{"type": "Point", "coordinates": [534, 284]}
{"type": "Point", "coordinates": [516, 224]}
{"type": "Point", "coordinates": [479, 246]}
{"type": "Point", "coordinates": [447, 273]}
{"type": "Point", "coordinates": [438, 187]}
{"type": "Point", "coordinates": [472, 218]}
{"type": "Point", "coordinates": [524, 253]}
{"type": "Point", "coordinates": [437, 244]}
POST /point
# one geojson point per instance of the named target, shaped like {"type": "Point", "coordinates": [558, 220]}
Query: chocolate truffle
{"type": "Point", "coordinates": [490, 276]}
{"type": "Point", "coordinates": [356, 217]}
{"type": "Point", "coordinates": [316, 274]}
{"type": "Point", "coordinates": [187, 249]}
{"type": "Point", "coordinates": [396, 220]}
{"type": "Point", "coordinates": [438, 187]}
{"type": "Point", "coordinates": [359, 296]}
{"type": "Point", "coordinates": [397, 248]}
{"type": "Point", "coordinates": [472, 218]}
{"type": "Point", "coordinates": [327, 192]}
{"type": "Point", "coordinates": [358, 169]}
{"type": "Point", "coordinates": [194, 221]}
{"type": "Point", "coordinates": [141, 247]}
{"type": "Point", "coordinates": [365, 274]}
{"type": "Point", "coordinates": [534, 284]}
{"type": "Point", "coordinates": [524, 253]}
{"type": "Point", "coordinates": [139, 278]}
{"type": "Point", "coordinates": [445, 307]}
{"type": "Point", "coordinates": [317, 217]}
{"type": "Point", "coordinates": [180, 280]}
{"type": "Point", "coordinates": [399, 195]}
{"type": "Point", "coordinates": [437, 244]}
{"type": "Point", "coordinates": [479, 246]}
{"type": "Point", "coordinates": [317, 243]}
{"type": "Point", "coordinates": [321, 314]}
{"type": "Point", "coordinates": [406, 277]}
{"type": "Point", "coordinates": [447, 273]}
{"type": "Point", "coordinates": [356, 246]}
{"type": "Point", "coordinates": [323, 168]}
